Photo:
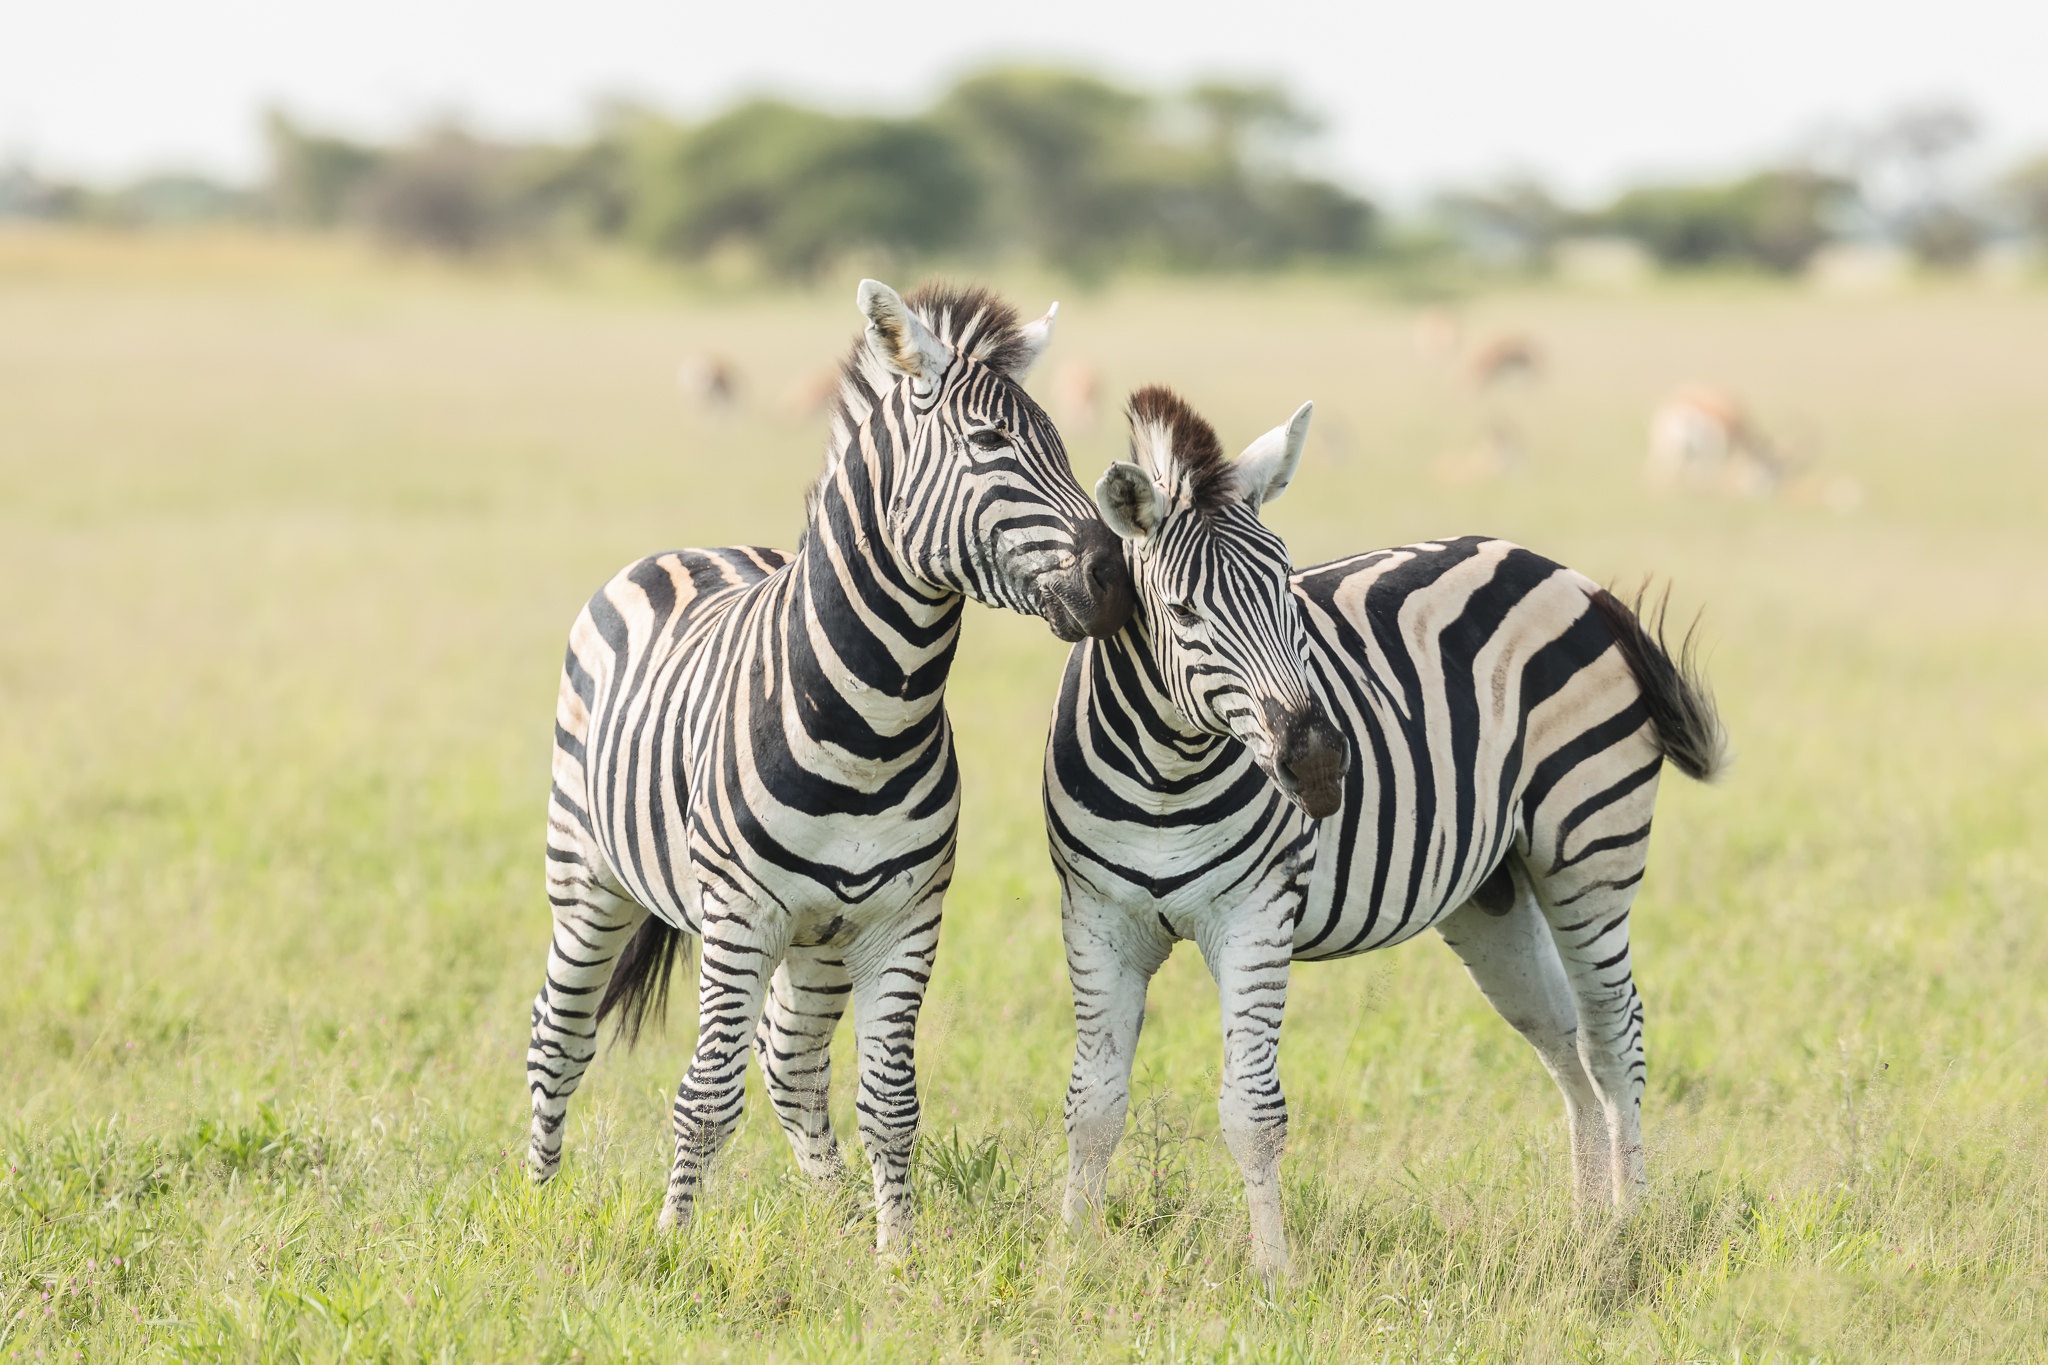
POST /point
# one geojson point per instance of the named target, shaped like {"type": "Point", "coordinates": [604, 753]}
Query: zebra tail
{"type": "Point", "coordinates": [1674, 691]}
{"type": "Point", "coordinates": [638, 992]}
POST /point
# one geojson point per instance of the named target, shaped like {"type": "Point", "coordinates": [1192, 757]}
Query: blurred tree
{"type": "Point", "coordinates": [1063, 156]}
{"type": "Point", "coordinates": [446, 192]}
{"type": "Point", "coordinates": [2024, 190]}
{"type": "Point", "coordinates": [799, 185]}
{"type": "Point", "coordinates": [1775, 219]}
{"type": "Point", "coordinates": [1514, 222]}
{"type": "Point", "coordinates": [1908, 170]}
{"type": "Point", "coordinates": [1087, 175]}
{"type": "Point", "coordinates": [313, 177]}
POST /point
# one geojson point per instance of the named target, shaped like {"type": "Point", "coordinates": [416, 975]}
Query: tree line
{"type": "Point", "coordinates": [1059, 166]}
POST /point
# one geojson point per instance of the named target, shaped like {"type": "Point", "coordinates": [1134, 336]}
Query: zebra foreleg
{"type": "Point", "coordinates": [794, 1047]}
{"type": "Point", "coordinates": [1502, 939]}
{"type": "Point", "coordinates": [1250, 956]}
{"type": "Point", "coordinates": [1111, 956]}
{"type": "Point", "coordinates": [592, 927]}
{"type": "Point", "coordinates": [739, 956]}
{"type": "Point", "coordinates": [888, 993]}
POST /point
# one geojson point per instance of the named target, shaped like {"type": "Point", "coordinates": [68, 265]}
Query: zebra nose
{"type": "Point", "coordinates": [1103, 580]}
{"type": "Point", "coordinates": [1311, 760]}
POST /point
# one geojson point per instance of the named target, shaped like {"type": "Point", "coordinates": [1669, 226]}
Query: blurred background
{"type": "Point", "coordinates": [777, 142]}
{"type": "Point", "coordinates": [345, 349]}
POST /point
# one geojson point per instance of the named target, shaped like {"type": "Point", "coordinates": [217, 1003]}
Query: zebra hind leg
{"type": "Point", "coordinates": [806, 999]}
{"type": "Point", "coordinates": [592, 926]}
{"type": "Point", "coordinates": [738, 956]}
{"type": "Point", "coordinates": [888, 993]}
{"type": "Point", "coordinates": [1586, 901]}
{"type": "Point", "coordinates": [1501, 937]}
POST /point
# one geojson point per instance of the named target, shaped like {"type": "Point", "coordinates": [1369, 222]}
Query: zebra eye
{"type": "Point", "coordinates": [989, 438]}
{"type": "Point", "coordinates": [1183, 613]}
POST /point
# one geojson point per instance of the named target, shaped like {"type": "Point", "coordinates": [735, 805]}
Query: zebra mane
{"type": "Point", "coordinates": [1179, 449]}
{"type": "Point", "coordinates": [970, 319]}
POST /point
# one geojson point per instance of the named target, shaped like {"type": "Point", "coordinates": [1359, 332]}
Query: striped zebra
{"type": "Point", "coordinates": [752, 747]}
{"type": "Point", "coordinates": [1509, 716]}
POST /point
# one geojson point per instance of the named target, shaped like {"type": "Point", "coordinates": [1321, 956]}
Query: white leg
{"type": "Point", "coordinates": [739, 955]}
{"type": "Point", "coordinates": [592, 927]}
{"type": "Point", "coordinates": [794, 1047]}
{"type": "Point", "coordinates": [1501, 937]}
{"type": "Point", "coordinates": [1111, 956]}
{"type": "Point", "coordinates": [888, 992]}
{"type": "Point", "coordinates": [1588, 913]}
{"type": "Point", "coordinates": [1250, 956]}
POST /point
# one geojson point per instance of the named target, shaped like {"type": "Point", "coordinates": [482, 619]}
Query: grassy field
{"type": "Point", "coordinates": [289, 541]}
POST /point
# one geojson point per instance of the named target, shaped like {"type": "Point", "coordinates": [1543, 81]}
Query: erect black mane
{"type": "Point", "coordinates": [1209, 479]}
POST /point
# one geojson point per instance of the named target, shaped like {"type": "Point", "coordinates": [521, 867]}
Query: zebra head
{"type": "Point", "coordinates": [979, 497]}
{"type": "Point", "coordinates": [1215, 606]}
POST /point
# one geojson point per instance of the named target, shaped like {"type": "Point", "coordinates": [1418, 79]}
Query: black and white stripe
{"type": "Point", "coordinates": [1494, 724]}
{"type": "Point", "coordinates": [752, 748]}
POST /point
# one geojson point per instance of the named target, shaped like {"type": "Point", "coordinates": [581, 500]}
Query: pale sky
{"type": "Point", "coordinates": [1585, 92]}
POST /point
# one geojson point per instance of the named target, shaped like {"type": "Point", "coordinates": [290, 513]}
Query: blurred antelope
{"type": "Point", "coordinates": [709, 379]}
{"type": "Point", "coordinates": [1703, 437]}
{"type": "Point", "coordinates": [1503, 358]}
{"type": "Point", "coordinates": [814, 393]}
{"type": "Point", "coordinates": [1077, 395]}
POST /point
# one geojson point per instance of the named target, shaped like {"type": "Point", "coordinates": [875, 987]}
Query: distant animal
{"type": "Point", "coordinates": [1703, 437]}
{"type": "Point", "coordinates": [1502, 359]}
{"type": "Point", "coordinates": [813, 394]}
{"type": "Point", "coordinates": [1299, 765]}
{"type": "Point", "coordinates": [752, 748]}
{"type": "Point", "coordinates": [711, 380]}
{"type": "Point", "coordinates": [1077, 395]}
{"type": "Point", "coordinates": [1439, 335]}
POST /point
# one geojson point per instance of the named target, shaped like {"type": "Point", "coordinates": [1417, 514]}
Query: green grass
{"type": "Point", "coordinates": [289, 542]}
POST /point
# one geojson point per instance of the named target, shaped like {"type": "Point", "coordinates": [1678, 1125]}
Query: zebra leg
{"type": "Point", "coordinates": [1587, 904]}
{"type": "Point", "coordinates": [1501, 937]}
{"type": "Point", "coordinates": [592, 927]}
{"type": "Point", "coordinates": [794, 1047]}
{"type": "Point", "coordinates": [888, 992]}
{"type": "Point", "coordinates": [1249, 956]}
{"type": "Point", "coordinates": [1111, 956]}
{"type": "Point", "coordinates": [738, 957]}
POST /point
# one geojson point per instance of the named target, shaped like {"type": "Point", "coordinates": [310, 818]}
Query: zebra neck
{"type": "Point", "coordinates": [869, 645]}
{"type": "Point", "coordinates": [1124, 678]}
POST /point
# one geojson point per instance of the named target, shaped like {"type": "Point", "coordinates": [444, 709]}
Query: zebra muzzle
{"type": "Point", "coordinates": [1310, 761]}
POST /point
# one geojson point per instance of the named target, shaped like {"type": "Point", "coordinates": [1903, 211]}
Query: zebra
{"type": "Point", "coordinates": [1510, 719]}
{"type": "Point", "coordinates": [752, 749]}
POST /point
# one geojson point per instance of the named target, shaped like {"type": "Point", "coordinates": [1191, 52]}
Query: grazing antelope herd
{"type": "Point", "coordinates": [1702, 438]}
{"type": "Point", "coordinates": [752, 754]}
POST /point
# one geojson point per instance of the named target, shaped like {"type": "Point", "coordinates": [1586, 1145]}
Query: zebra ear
{"type": "Point", "coordinates": [1130, 503]}
{"type": "Point", "coordinates": [1268, 464]}
{"type": "Point", "coordinates": [1036, 337]}
{"type": "Point", "coordinates": [899, 338]}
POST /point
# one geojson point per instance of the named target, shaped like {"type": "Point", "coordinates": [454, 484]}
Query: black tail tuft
{"type": "Point", "coordinates": [639, 985]}
{"type": "Point", "coordinates": [1675, 693]}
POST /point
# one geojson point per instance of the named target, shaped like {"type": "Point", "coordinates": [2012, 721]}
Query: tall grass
{"type": "Point", "coordinates": [286, 557]}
